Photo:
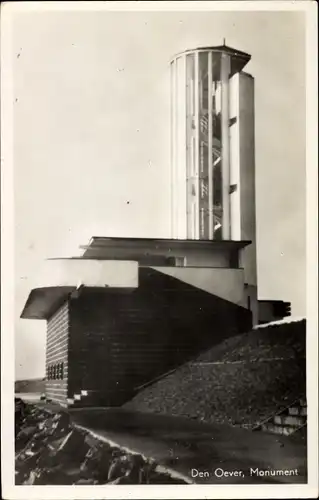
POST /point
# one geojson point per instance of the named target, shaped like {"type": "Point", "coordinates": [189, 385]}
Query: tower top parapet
{"type": "Point", "coordinates": [238, 58]}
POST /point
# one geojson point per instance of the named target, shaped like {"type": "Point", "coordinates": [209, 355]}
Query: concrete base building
{"type": "Point", "coordinates": [132, 309]}
{"type": "Point", "coordinates": [129, 310]}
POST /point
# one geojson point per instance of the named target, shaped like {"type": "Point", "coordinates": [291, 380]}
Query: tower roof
{"type": "Point", "coordinates": [238, 58]}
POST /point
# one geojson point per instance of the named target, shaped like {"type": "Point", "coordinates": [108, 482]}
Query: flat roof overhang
{"type": "Point", "coordinates": [60, 277]}
{"type": "Point", "coordinates": [101, 247]}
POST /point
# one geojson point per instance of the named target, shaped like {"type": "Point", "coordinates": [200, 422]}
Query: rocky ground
{"type": "Point", "coordinates": [51, 450]}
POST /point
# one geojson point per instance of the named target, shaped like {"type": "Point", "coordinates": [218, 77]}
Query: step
{"type": "Point", "coordinates": [277, 429]}
{"type": "Point", "coordinates": [298, 411]}
{"type": "Point", "coordinates": [301, 432]}
{"type": "Point", "coordinates": [289, 420]}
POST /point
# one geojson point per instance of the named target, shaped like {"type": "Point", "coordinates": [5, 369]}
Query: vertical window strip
{"type": "Point", "coordinates": [225, 146]}
{"type": "Point", "coordinates": [196, 121]}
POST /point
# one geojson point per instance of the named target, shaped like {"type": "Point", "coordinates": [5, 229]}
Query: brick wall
{"type": "Point", "coordinates": [119, 341]}
{"type": "Point", "coordinates": [57, 354]}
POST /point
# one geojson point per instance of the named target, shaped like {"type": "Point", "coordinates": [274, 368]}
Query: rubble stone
{"type": "Point", "coordinates": [50, 450]}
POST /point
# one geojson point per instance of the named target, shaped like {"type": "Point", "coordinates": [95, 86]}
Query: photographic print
{"type": "Point", "coordinates": [158, 327]}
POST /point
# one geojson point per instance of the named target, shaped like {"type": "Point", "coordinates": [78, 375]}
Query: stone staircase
{"type": "Point", "coordinates": [288, 421]}
{"type": "Point", "coordinates": [81, 398]}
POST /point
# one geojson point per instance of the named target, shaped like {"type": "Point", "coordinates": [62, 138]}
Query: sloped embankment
{"type": "Point", "coordinates": [241, 381]}
{"type": "Point", "coordinates": [31, 385]}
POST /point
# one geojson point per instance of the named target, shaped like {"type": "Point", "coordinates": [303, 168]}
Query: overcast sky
{"type": "Point", "coordinates": [91, 132]}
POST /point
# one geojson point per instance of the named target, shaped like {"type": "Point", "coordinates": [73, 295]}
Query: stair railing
{"type": "Point", "coordinates": [260, 424]}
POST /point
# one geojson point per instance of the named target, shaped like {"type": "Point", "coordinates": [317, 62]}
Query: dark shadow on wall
{"type": "Point", "coordinates": [120, 341]}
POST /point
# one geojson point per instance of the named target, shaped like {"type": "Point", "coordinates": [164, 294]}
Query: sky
{"type": "Point", "coordinates": [91, 132]}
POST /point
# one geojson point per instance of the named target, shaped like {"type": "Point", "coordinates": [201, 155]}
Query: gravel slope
{"type": "Point", "coordinates": [241, 381]}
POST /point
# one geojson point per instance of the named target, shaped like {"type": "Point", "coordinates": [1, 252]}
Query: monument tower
{"type": "Point", "coordinates": [213, 152]}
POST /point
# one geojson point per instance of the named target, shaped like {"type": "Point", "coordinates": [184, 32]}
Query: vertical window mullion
{"type": "Point", "coordinates": [175, 121]}
{"type": "Point", "coordinates": [210, 146]}
{"type": "Point", "coordinates": [173, 146]}
{"type": "Point", "coordinates": [196, 122]}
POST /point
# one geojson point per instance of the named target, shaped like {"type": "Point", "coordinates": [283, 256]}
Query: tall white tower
{"type": "Point", "coordinates": [213, 151]}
